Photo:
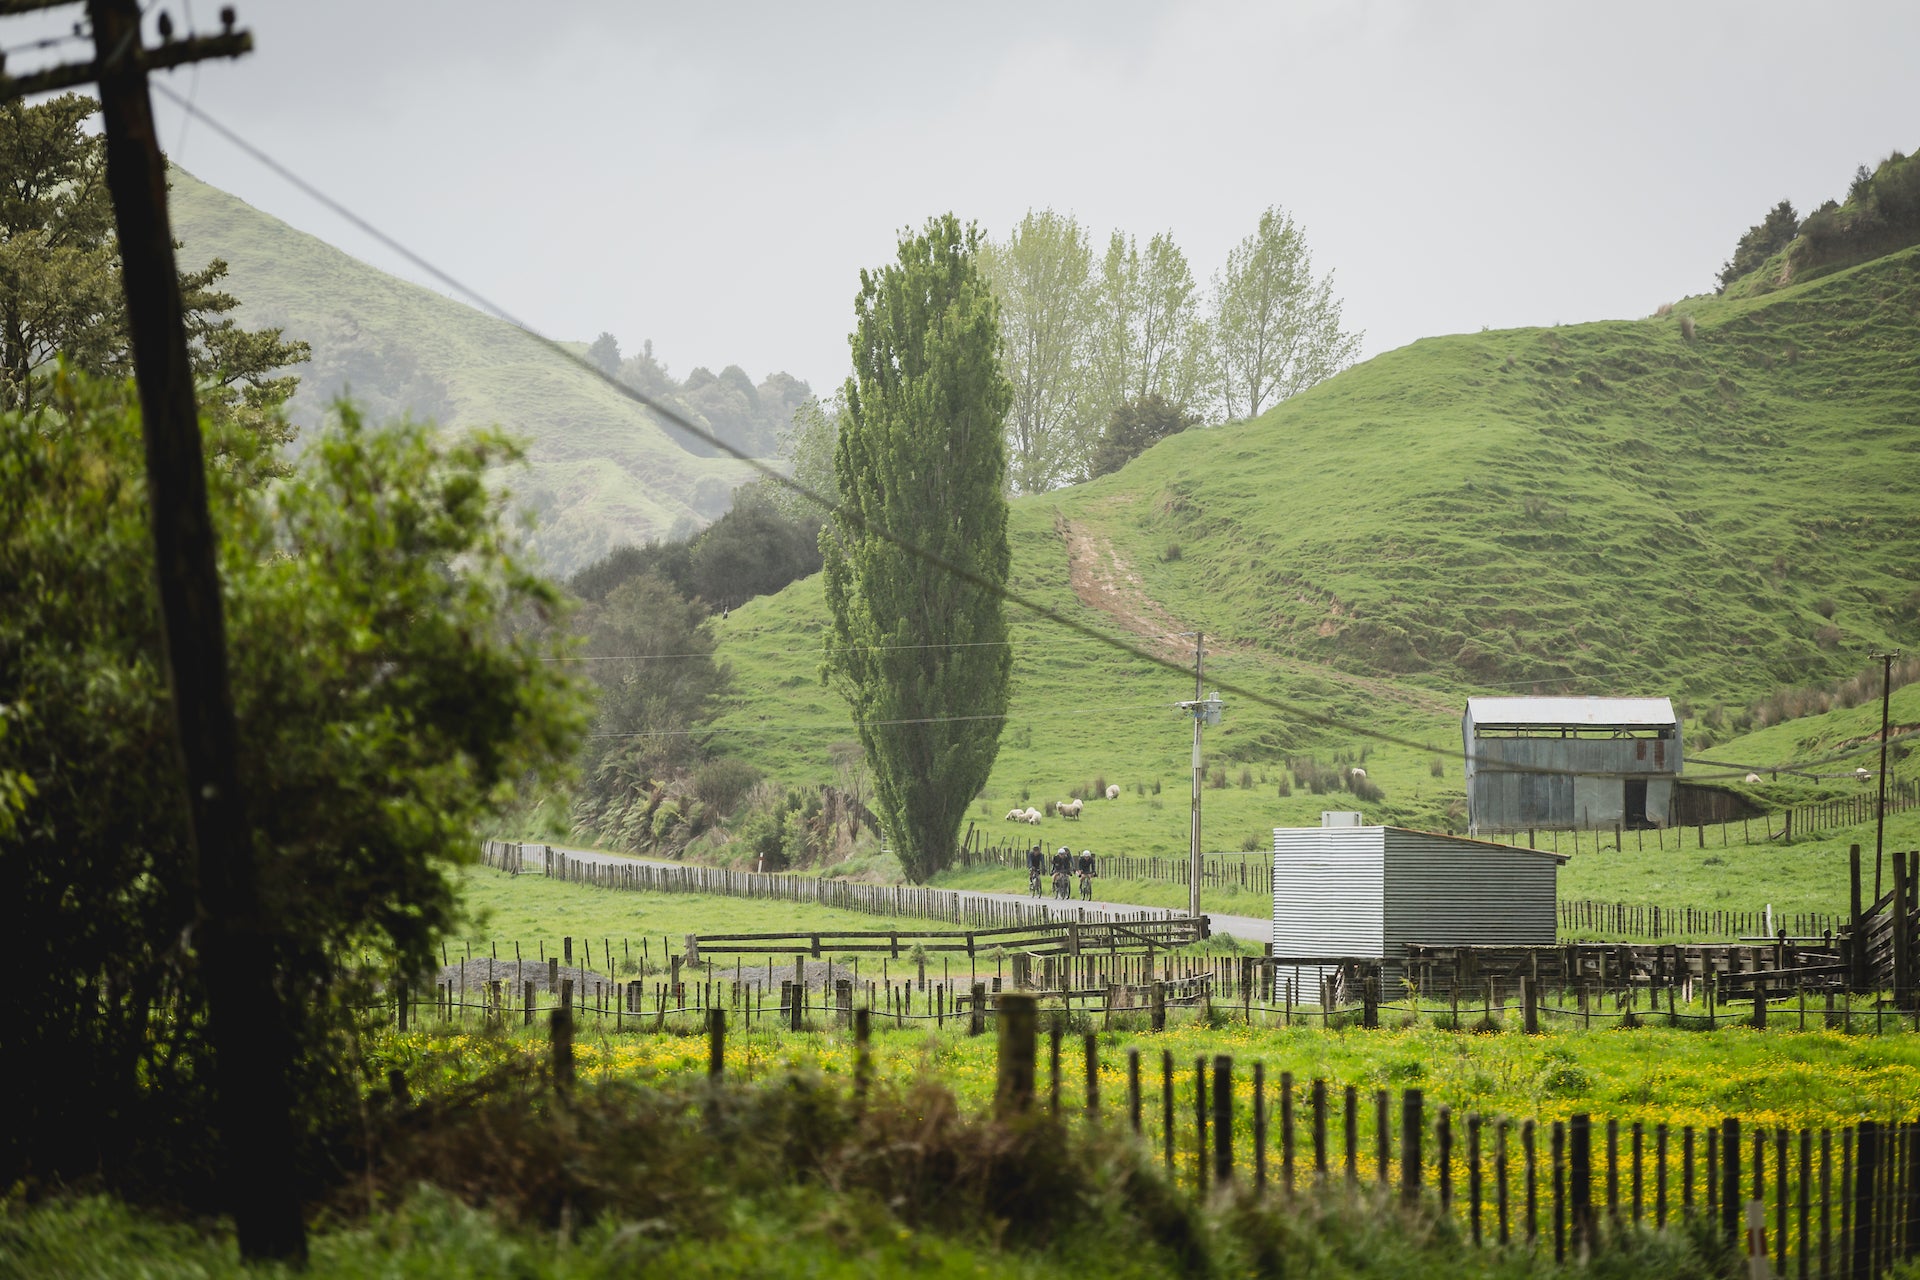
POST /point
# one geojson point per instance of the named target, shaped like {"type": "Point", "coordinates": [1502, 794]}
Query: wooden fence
{"type": "Point", "coordinates": [1794, 1201]}
{"type": "Point", "coordinates": [945, 905]}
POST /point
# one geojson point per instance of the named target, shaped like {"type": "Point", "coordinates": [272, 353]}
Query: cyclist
{"type": "Point", "coordinates": [1035, 862]}
{"type": "Point", "coordinates": [1062, 868]}
{"type": "Point", "coordinates": [1086, 874]}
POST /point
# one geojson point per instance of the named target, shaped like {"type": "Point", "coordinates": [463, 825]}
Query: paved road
{"type": "Point", "coordinates": [1251, 928]}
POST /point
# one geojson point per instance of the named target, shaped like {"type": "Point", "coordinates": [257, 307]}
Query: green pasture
{"type": "Point", "coordinates": [538, 913]}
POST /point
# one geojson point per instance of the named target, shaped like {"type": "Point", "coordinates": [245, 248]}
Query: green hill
{"type": "Point", "coordinates": [602, 472]}
{"type": "Point", "coordinates": [1707, 504]}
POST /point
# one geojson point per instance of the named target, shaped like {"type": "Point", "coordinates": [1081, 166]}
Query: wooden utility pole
{"type": "Point", "coordinates": [250, 1038]}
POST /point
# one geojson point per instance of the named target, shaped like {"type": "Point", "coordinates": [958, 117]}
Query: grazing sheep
{"type": "Point", "coordinates": [1113, 791]}
{"type": "Point", "coordinates": [1033, 817]}
{"type": "Point", "coordinates": [1069, 808]}
{"type": "Point", "coordinates": [1753, 777]}
{"type": "Point", "coordinates": [1016, 815]}
{"type": "Point", "coordinates": [1863, 773]}
{"type": "Point", "coordinates": [1357, 772]}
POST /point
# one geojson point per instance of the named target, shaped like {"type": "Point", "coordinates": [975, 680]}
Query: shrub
{"type": "Point", "coordinates": [1437, 767]}
{"type": "Point", "coordinates": [1172, 552]}
{"type": "Point", "coordinates": [722, 784]}
{"type": "Point", "coordinates": [1246, 778]}
{"type": "Point", "coordinates": [1686, 328]}
{"type": "Point", "coordinates": [1827, 637]}
{"type": "Point", "coordinates": [1825, 607]}
{"type": "Point", "coordinates": [1100, 786]}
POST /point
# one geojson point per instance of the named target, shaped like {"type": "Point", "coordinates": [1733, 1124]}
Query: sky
{"type": "Point", "coordinates": [713, 177]}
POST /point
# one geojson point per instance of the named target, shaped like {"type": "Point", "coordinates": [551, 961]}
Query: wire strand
{"type": "Point", "coordinates": [848, 517]}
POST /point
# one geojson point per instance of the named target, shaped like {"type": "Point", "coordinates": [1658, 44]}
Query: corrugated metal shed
{"type": "Point", "coordinates": [1369, 891]}
{"type": "Point", "coordinates": [1561, 763]}
{"type": "Point", "coordinates": [1587, 713]}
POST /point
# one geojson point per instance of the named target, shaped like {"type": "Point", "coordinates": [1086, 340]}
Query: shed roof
{"type": "Point", "coordinates": [1594, 713]}
{"type": "Point", "coordinates": [1435, 837]}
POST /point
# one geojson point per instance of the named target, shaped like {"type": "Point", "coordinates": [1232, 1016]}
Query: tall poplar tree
{"type": "Point", "coordinates": [918, 651]}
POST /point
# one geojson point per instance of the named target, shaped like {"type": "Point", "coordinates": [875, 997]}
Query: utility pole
{"type": "Point", "coordinates": [1205, 711]}
{"type": "Point", "coordinates": [251, 1041]}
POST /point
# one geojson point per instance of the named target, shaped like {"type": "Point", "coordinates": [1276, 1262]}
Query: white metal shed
{"type": "Point", "coordinates": [1366, 892]}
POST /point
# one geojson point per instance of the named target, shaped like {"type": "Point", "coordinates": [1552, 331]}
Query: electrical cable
{"type": "Point", "coordinates": [662, 409]}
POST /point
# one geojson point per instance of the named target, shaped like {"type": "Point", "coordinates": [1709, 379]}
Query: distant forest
{"type": "Point", "coordinates": [749, 417]}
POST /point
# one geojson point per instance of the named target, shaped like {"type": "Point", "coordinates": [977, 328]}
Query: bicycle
{"type": "Point", "coordinates": [1033, 881]}
{"type": "Point", "coordinates": [1086, 886]}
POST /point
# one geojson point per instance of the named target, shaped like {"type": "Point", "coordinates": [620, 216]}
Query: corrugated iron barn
{"type": "Point", "coordinates": [1569, 763]}
{"type": "Point", "coordinates": [1366, 892]}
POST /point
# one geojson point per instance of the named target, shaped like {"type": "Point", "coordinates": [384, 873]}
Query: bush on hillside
{"type": "Point", "coordinates": [1762, 240]}
{"type": "Point", "coordinates": [1136, 426]}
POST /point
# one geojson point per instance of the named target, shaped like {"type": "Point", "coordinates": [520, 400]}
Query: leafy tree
{"type": "Point", "coordinates": [605, 354]}
{"type": "Point", "coordinates": [384, 709]}
{"type": "Point", "coordinates": [1151, 337]}
{"type": "Point", "coordinates": [1136, 426]}
{"type": "Point", "coordinates": [1276, 329]}
{"type": "Point", "coordinates": [60, 281]}
{"type": "Point", "coordinates": [920, 653]}
{"type": "Point", "coordinates": [753, 550]}
{"type": "Point", "coordinates": [1762, 240]}
{"type": "Point", "coordinates": [806, 446]}
{"type": "Point", "coordinates": [1042, 276]}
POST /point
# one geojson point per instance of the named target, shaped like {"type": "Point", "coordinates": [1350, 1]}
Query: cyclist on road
{"type": "Point", "coordinates": [1062, 868]}
{"type": "Point", "coordinates": [1036, 861]}
{"type": "Point", "coordinates": [1086, 875]}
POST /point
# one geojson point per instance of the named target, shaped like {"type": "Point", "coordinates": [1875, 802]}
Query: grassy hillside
{"type": "Point", "coordinates": [602, 471]}
{"type": "Point", "coordinates": [1606, 508]}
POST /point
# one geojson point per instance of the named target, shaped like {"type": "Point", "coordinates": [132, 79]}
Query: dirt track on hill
{"type": "Point", "coordinates": [1104, 581]}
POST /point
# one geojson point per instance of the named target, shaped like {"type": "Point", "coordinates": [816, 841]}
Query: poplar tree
{"type": "Point", "coordinates": [919, 651]}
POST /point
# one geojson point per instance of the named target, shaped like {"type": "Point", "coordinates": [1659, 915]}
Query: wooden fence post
{"type": "Point", "coordinates": [1580, 1180]}
{"type": "Point", "coordinates": [1222, 1119]}
{"type": "Point", "coordinates": [862, 1052]}
{"type": "Point", "coordinates": [1090, 1046]}
{"type": "Point", "coordinates": [560, 1028]}
{"type": "Point", "coordinates": [1866, 1166]}
{"type": "Point", "coordinates": [1017, 1017]}
{"type": "Point", "coordinates": [1529, 1006]}
{"type": "Point", "coordinates": [1411, 1126]}
{"type": "Point", "coordinates": [1730, 1216]}
{"type": "Point", "coordinates": [977, 1010]}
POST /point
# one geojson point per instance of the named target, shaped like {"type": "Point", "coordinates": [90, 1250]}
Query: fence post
{"type": "Point", "coordinates": [1222, 1119]}
{"type": "Point", "coordinates": [1157, 1001]}
{"type": "Point", "coordinates": [1730, 1218]}
{"type": "Point", "coordinates": [1866, 1165]}
{"type": "Point", "coordinates": [1580, 1180]}
{"type": "Point", "coordinates": [862, 1053]}
{"type": "Point", "coordinates": [1017, 1016]}
{"type": "Point", "coordinates": [1411, 1124]}
{"type": "Point", "coordinates": [1090, 1045]}
{"type": "Point", "coordinates": [977, 1011]}
{"type": "Point", "coordinates": [560, 1028]}
{"type": "Point", "coordinates": [1529, 1006]}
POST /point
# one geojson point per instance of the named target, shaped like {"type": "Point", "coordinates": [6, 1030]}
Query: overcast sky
{"type": "Point", "coordinates": [714, 176]}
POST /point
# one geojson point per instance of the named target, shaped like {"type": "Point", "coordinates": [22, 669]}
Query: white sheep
{"type": "Point", "coordinates": [1113, 791]}
{"type": "Point", "coordinates": [1863, 773]}
{"type": "Point", "coordinates": [1753, 777]}
{"type": "Point", "coordinates": [1016, 815]}
{"type": "Point", "coordinates": [1033, 817]}
{"type": "Point", "coordinates": [1357, 772]}
{"type": "Point", "coordinates": [1069, 808]}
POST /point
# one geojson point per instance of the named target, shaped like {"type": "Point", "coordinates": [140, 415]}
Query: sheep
{"type": "Point", "coordinates": [1033, 817]}
{"type": "Point", "coordinates": [1863, 773]}
{"type": "Point", "coordinates": [1357, 772]}
{"type": "Point", "coordinates": [1016, 815]}
{"type": "Point", "coordinates": [1753, 777]}
{"type": "Point", "coordinates": [1068, 808]}
{"type": "Point", "coordinates": [1113, 791]}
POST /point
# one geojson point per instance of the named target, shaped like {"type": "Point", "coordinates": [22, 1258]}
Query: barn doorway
{"type": "Point", "coordinates": [1636, 804]}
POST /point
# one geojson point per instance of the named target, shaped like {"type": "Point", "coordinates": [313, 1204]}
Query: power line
{"type": "Point", "coordinates": [854, 519]}
{"type": "Point", "coordinates": [832, 648]}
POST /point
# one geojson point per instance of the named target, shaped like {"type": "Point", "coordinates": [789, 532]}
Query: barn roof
{"type": "Point", "coordinates": [1587, 713]}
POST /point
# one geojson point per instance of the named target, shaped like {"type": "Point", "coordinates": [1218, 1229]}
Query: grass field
{"type": "Point", "coordinates": [537, 912]}
{"type": "Point", "coordinates": [1605, 508]}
